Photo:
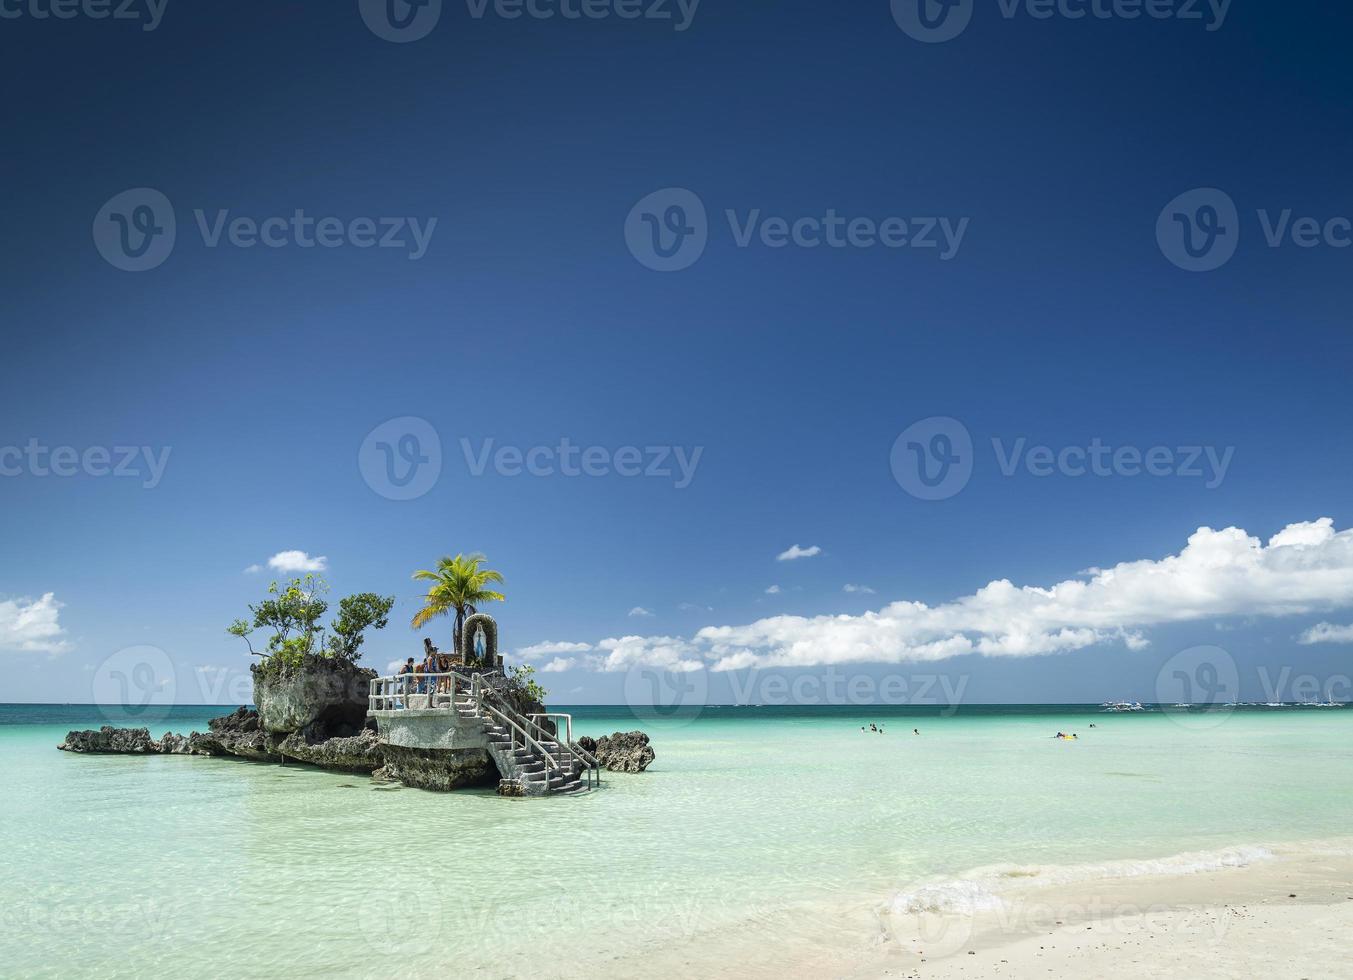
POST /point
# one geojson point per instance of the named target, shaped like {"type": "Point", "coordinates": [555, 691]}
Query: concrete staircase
{"type": "Point", "coordinates": [539, 765]}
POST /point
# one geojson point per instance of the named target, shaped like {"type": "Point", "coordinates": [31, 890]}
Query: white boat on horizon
{"type": "Point", "coordinates": [1118, 706]}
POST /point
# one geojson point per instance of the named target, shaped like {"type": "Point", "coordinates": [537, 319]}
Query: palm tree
{"type": "Point", "coordinates": [459, 584]}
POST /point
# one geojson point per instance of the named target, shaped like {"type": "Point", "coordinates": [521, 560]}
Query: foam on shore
{"type": "Point", "coordinates": [982, 889]}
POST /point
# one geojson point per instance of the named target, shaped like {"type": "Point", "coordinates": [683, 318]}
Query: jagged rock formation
{"type": "Point", "coordinates": [439, 769]}
{"type": "Point", "coordinates": [173, 744]}
{"type": "Point", "coordinates": [353, 753]}
{"type": "Point", "coordinates": [316, 714]}
{"type": "Point", "coordinates": [324, 697]}
{"type": "Point", "coordinates": [623, 751]}
{"type": "Point", "coordinates": [238, 733]}
{"type": "Point", "coordinates": [126, 741]}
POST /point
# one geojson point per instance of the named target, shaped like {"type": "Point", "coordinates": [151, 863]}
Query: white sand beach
{"type": "Point", "coordinates": [1286, 915]}
{"type": "Point", "coordinates": [1291, 916]}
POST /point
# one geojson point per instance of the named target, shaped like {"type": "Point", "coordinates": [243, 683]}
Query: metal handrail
{"type": "Point", "coordinates": [393, 692]}
{"type": "Point", "coordinates": [589, 762]}
{"type": "Point", "coordinates": [530, 742]}
{"type": "Point", "coordinates": [587, 758]}
{"type": "Point", "coordinates": [568, 720]}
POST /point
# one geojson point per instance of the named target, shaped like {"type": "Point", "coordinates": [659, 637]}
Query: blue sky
{"type": "Point", "coordinates": [1060, 319]}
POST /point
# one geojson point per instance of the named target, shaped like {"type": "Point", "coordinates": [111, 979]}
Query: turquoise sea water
{"type": "Point", "coordinates": [750, 818]}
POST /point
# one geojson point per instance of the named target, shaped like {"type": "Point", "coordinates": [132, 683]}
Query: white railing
{"type": "Point", "coordinates": [515, 729]}
{"type": "Point", "coordinates": [438, 691]}
{"type": "Point", "coordinates": [415, 692]}
{"type": "Point", "coordinates": [549, 715]}
{"type": "Point", "coordinates": [519, 723]}
{"type": "Point", "coordinates": [563, 722]}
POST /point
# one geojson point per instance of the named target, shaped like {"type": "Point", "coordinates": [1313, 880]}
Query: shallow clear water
{"type": "Point", "coordinates": [121, 866]}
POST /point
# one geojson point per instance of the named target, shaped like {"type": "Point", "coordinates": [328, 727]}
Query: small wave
{"type": "Point", "coordinates": [961, 896]}
{"type": "Point", "coordinates": [982, 888]}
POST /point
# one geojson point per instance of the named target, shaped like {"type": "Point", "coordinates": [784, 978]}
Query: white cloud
{"type": "Point", "coordinates": [558, 665]}
{"type": "Point", "coordinates": [665, 652]}
{"type": "Point", "coordinates": [32, 625]}
{"type": "Point", "coordinates": [640, 611]}
{"type": "Point", "coordinates": [297, 561]}
{"type": "Point", "coordinates": [794, 551]}
{"type": "Point", "coordinates": [1326, 633]}
{"type": "Point", "coordinates": [863, 589]}
{"type": "Point", "coordinates": [774, 590]}
{"type": "Point", "coordinates": [253, 570]}
{"type": "Point", "coordinates": [549, 647]}
{"type": "Point", "coordinates": [694, 607]}
{"type": "Point", "coordinates": [1303, 569]}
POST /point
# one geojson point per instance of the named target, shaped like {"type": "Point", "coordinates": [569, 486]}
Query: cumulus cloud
{"type": "Point", "coordinates": [664, 652]}
{"type": "Point", "coordinates": [773, 590]}
{"type": "Point", "coordinates": [290, 562]}
{"type": "Point", "coordinates": [1303, 569]}
{"type": "Point", "coordinates": [549, 647]}
{"type": "Point", "coordinates": [253, 570]}
{"type": "Point", "coordinates": [559, 664]}
{"type": "Point", "coordinates": [863, 589]}
{"type": "Point", "coordinates": [640, 611]}
{"type": "Point", "coordinates": [1326, 633]}
{"type": "Point", "coordinates": [32, 625]}
{"type": "Point", "coordinates": [794, 551]}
